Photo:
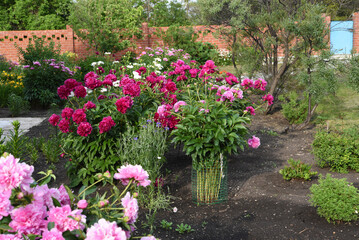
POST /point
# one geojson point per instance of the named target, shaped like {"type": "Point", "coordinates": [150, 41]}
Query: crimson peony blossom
{"type": "Point", "coordinates": [89, 105]}
{"type": "Point", "coordinates": [106, 124]}
{"type": "Point", "coordinates": [132, 89]}
{"type": "Point", "coordinates": [64, 125]}
{"type": "Point", "coordinates": [92, 83]}
{"type": "Point", "coordinates": [63, 92]}
{"type": "Point", "coordinates": [79, 116]}
{"type": "Point", "coordinates": [84, 129]}
{"type": "Point", "coordinates": [254, 142]}
{"type": "Point", "coordinates": [54, 119]}
{"type": "Point", "coordinates": [128, 172]}
{"type": "Point", "coordinates": [71, 84]}
{"type": "Point", "coordinates": [123, 104]}
{"type": "Point", "coordinates": [67, 113]}
{"type": "Point", "coordinates": [80, 91]}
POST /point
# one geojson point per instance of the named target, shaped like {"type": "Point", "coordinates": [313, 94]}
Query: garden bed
{"type": "Point", "coordinates": [261, 204]}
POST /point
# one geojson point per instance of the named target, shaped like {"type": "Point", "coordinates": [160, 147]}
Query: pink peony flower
{"type": "Point", "coordinates": [29, 219]}
{"type": "Point", "coordinates": [109, 79]}
{"type": "Point", "coordinates": [89, 105]}
{"type": "Point", "coordinates": [132, 89]}
{"type": "Point", "coordinates": [268, 98]}
{"type": "Point", "coordinates": [219, 90]}
{"type": "Point", "coordinates": [63, 92]}
{"type": "Point", "coordinates": [231, 79]}
{"type": "Point", "coordinates": [254, 142]}
{"type": "Point", "coordinates": [90, 74]}
{"type": "Point", "coordinates": [64, 125]}
{"type": "Point", "coordinates": [84, 129]}
{"type": "Point", "coordinates": [193, 72]}
{"type": "Point", "coordinates": [247, 83]}
{"type": "Point", "coordinates": [106, 124]}
{"type": "Point", "coordinates": [161, 110]}
{"type": "Point", "coordinates": [53, 234]}
{"type": "Point", "coordinates": [141, 70]}
{"type": "Point", "coordinates": [148, 238]}
{"type": "Point", "coordinates": [128, 172]}
{"type": "Point", "coordinates": [64, 198]}
{"type": "Point", "coordinates": [60, 216]}
{"type": "Point", "coordinates": [67, 113]}
{"type": "Point", "coordinates": [251, 110]}
{"type": "Point", "coordinates": [131, 208]}
{"type": "Point", "coordinates": [82, 204]}
{"type": "Point", "coordinates": [5, 204]}
{"type": "Point", "coordinates": [80, 91]}
{"type": "Point", "coordinates": [123, 104]}
{"type": "Point", "coordinates": [105, 230]}
{"type": "Point", "coordinates": [227, 95]}
{"type": "Point", "coordinates": [79, 116]}
{"type": "Point", "coordinates": [260, 84]}
{"type": "Point", "coordinates": [178, 104]}
{"type": "Point", "coordinates": [54, 119]}
{"type": "Point", "coordinates": [42, 195]}
{"type": "Point", "coordinates": [10, 237]}
{"type": "Point", "coordinates": [126, 80]}
{"type": "Point", "coordinates": [14, 174]}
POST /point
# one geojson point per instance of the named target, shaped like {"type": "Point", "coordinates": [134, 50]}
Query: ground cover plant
{"type": "Point", "coordinates": [336, 199]}
{"type": "Point", "coordinates": [297, 170]}
{"type": "Point", "coordinates": [337, 149]}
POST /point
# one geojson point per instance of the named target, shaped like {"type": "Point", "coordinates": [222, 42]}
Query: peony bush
{"type": "Point", "coordinates": [32, 210]}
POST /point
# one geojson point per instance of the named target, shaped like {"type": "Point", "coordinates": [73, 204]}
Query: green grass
{"type": "Point", "coordinates": [340, 109]}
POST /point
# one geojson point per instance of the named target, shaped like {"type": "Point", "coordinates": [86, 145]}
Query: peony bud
{"type": "Point", "coordinates": [82, 204]}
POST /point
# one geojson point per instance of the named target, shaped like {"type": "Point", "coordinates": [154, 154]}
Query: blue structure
{"type": "Point", "coordinates": [341, 37]}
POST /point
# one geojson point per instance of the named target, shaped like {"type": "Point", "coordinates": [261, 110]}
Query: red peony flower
{"type": "Point", "coordinates": [132, 89]}
{"type": "Point", "coordinates": [89, 105]}
{"type": "Point", "coordinates": [92, 83]}
{"type": "Point", "coordinates": [71, 83]}
{"type": "Point", "coordinates": [54, 119]}
{"type": "Point", "coordinates": [123, 104]}
{"type": "Point", "coordinates": [80, 91]}
{"type": "Point", "coordinates": [84, 129]}
{"type": "Point", "coordinates": [64, 125]}
{"type": "Point", "coordinates": [79, 116]}
{"type": "Point", "coordinates": [63, 92]}
{"type": "Point", "coordinates": [67, 113]}
{"type": "Point", "coordinates": [268, 98]}
{"type": "Point", "coordinates": [106, 124]}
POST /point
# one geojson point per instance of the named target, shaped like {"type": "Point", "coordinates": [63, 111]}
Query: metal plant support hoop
{"type": "Point", "coordinates": [209, 185]}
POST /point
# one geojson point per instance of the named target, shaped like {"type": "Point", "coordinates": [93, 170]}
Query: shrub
{"type": "Point", "coordinates": [38, 50]}
{"type": "Point", "coordinates": [294, 109]}
{"type": "Point", "coordinates": [338, 149]}
{"type": "Point", "coordinates": [42, 80]}
{"type": "Point", "coordinates": [186, 39]}
{"type": "Point", "coordinates": [335, 199]}
{"type": "Point", "coordinates": [17, 105]}
{"type": "Point", "coordinates": [297, 169]}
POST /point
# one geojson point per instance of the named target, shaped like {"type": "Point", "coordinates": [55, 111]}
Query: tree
{"type": "Point", "coordinates": [229, 15]}
{"type": "Point", "coordinates": [107, 25]}
{"type": "Point", "coordinates": [34, 14]}
{"type": "Point", "coordinates": [268, 38]}
{"type": "Point", "coordinates": [168, 13]}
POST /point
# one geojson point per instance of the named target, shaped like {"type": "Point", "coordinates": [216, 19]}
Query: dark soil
{"type": "Point", "coordinates": [261, 205]}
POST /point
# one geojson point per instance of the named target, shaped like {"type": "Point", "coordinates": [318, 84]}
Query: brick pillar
{"type": "Point", "coordinates": [146, 33]}
{"type": "Point", "coordinates": [356, 32]}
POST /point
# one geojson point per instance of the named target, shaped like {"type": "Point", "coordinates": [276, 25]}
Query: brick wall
{"type": "Point", "coordinates": [356, 32]}
{"type": "Point", "coordinates": [69, 42]}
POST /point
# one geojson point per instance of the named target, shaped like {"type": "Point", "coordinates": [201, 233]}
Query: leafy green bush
{"type": "Point", "coordinates": [4, 64]}
{"type": "Point", "coordinates": [37, 50]}
{"type": "Point", "coordinates": [17, 105]}
{"type": "Point", "coordinates": [294, 109]}
{"type": "Point", "coordinates": [186, 39]}
{"type": "Point", "coordinates": [42, 80]}
{"type": "Point", "coordinates": [338, 149]}
{"type": "Point", "coordinates": [297, 169]}
{"type": "Point", "coordinates": [336, 199]}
